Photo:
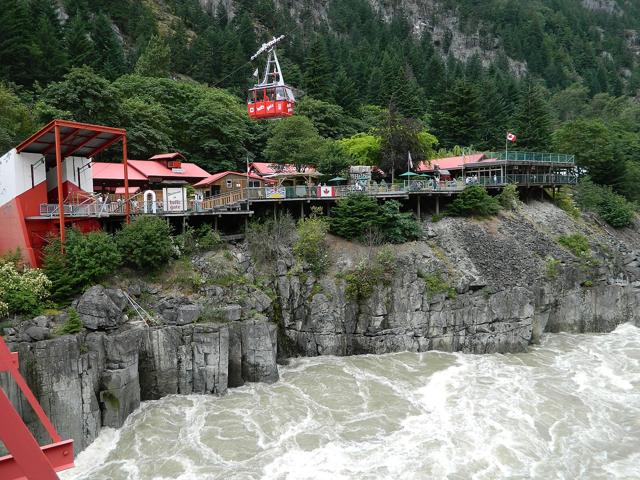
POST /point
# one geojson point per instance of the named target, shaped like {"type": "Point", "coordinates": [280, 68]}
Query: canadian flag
{"type": "Point", "coordinates": [511, 137]}
{"type": "Point", "coordinates": [325, 191]}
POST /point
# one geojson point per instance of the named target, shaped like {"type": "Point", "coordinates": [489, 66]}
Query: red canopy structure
{"type": "Point", "coordinates": [63, 138]}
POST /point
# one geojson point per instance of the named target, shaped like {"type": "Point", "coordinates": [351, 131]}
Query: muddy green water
{"type": "Point", "coordinates": [567, 409]}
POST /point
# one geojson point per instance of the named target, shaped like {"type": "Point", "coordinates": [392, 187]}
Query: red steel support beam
{"type": "Point", "coordinates": [26, 452]}
{"type": "Point", "coordinates": [125, 161]}
{"type": "Point", "coordinates": [56, 130]}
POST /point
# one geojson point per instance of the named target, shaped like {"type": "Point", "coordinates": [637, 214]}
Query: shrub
{"type": "Point", "coordinates": [22, 292]}
{"type": "Point", "coordinates": [614, 209]}
{"type": "Point", "coordinates": [508, 198]}
{"type": "Point", "coordinates": [207, 238]}
{"type": "Point", "coordinates": [576, 243]}
{"type": "Point", "coordinates": [434, 283]}
{"type": "Point", "coordinates": [311, 244]}
{"type": "Point", "coordinates": [87, 259]}
{"type": "Point", "coordinates": [564, 200]}
{"type": "Point", "coordinates": [474, 201]}
{"type": "Point", "coordinates": [145, 243]}
{"type": "Point", "coordinates": [552, 267]}
{"type": "Point", "coordinates": [356, 216]}
{"type": "Point", "coordinates": [72, 325]}
{"type": "Point", "coordinates": [185, 242]}
{"type": "Point", "coordinates": [362, 280]}
{"type": "Point", "coordinates": [267, 238]}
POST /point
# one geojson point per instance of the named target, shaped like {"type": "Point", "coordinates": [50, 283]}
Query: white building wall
{"type": "Point", "coordinates": [15, 174]}
{"type": "Point", "coordinates": [70, 167]}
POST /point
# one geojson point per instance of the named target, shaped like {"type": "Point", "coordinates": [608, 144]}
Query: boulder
{"type": "Point", "coordinates": [101, 309]}
{"type": "Point", "coordinates": [37, 334]}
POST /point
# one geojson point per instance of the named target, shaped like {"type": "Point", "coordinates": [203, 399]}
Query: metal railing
{"type": "Point", "coordinates": [536, 157]}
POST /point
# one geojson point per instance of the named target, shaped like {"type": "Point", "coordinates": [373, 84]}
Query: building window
{"type": "Point", "coordinates": [229, 183]}
{"type": "Point", "coordinates": [254, 184]}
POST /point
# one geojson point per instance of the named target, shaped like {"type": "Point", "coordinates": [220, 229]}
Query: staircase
{"type": "Point", "coordinates": [226, 201]}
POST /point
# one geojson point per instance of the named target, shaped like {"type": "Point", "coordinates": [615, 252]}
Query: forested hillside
{"type": "Point", "coordinates": [377, 78]}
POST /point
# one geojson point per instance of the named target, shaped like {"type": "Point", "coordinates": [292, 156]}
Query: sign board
{"type": "Point", "coordinates": [276, 192]}
{"type": "Point", "coordinates": [174, 199]}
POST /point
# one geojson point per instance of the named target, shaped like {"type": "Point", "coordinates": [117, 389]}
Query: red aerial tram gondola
{"type": "Point", "coordinates": [271, 98]}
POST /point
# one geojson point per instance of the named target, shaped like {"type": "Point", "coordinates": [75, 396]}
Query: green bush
{"type": "Point", "coordinates": [311, 245]}
{"type": "Point", "coordinates": [434, 283]}
{"type": "Point", "coordinates": [72, 325]}
{"type": "Point", "coordinates": [207, 238]}
{"type": "Point", "coordinates": [22, 291]}
{"type": "Point", "coordinates": [552, 268]}
{"type": "Point", "coordinates": [355, 216]}
{"type": "Point", "coordinates": [614, 209]}
{"type": "Point", "coordinates": [362, 280]}
{"type": "Point", "coordinates": [509, 197]}
{"type": "Point", "coordinates": [576, 243]}
{"type": "Point", "coordinates": [145, 243]}
{"type": "Point", "coordinates": [87, 259]}
{"type": "Point", "coordinates": [266, 238]}
{"type": "Point", "coordinates": [474, 201]}
{"type": "Point", "coordinates": [564, 200]}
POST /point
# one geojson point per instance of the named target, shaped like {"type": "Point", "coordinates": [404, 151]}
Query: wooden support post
{"type": "Point", "coordinates": [275, 211]}
{"type": "Point", "coordinates": [301, 210]}
{"type": "Point", "coordinates": [56, 130]}
{"type": "Point", "coordinates": [437, 204]}
{"type": "Point", "coordinates": [419, 198]}
{"type": "Point", "coordinates": [215, 222]}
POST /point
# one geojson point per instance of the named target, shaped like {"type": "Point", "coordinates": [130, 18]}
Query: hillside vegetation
{"type": "Point", "coordinates": [379, 79]}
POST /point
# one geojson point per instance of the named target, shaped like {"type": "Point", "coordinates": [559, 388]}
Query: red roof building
{"type": "Point", "coordinates": [264, 169]}
{"type": "Point", "coordinates": [450, 163]}
{"type": "Point", "coordinates": [159, 170]}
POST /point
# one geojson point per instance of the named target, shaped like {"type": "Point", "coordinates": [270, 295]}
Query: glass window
{"type": "Point", "coordinates": [229, 183]}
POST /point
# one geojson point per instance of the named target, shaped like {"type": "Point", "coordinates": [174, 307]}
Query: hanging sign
{"type": "Point", "coordinates": [276, 192]}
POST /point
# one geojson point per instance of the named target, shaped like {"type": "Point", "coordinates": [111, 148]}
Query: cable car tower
{"type": "Point", "coordinates": [271, 98]}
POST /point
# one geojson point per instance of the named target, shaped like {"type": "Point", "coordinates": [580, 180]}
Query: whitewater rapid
{"type": "Point", "coordinates": [567, 409]}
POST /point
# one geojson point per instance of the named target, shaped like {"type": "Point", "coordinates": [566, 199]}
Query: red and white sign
{"type": "Point", "coordinates": [325, 192]}
{"type": "Point", "coordinates": [511, 137]}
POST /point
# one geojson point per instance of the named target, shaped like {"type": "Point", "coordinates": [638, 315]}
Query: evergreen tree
{"type": "Point", "coordinates": [109, 52]}
{"type": "Point", "coordinates": [78, 43]}
{"type": "Point", "coordinates": [49, 55]}
{"type": "Point", "coordinates": [318, 73]}
{"type": "Point", "coordinates": [346, 93]}
{"type": "Point", "coordinates": [16, 42]}
{"type": "Point", "coordinates": [155, 60]}
{"type": "Point", "coordinates": [179, 46]}
{"type": "Point", "coordinates": [458, 116]}
{"type": "Point", "coordinates": [533, 120]}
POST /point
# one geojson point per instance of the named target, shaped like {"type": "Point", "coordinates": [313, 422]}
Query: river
{"type": "Point", "coordinates": [567, 409]}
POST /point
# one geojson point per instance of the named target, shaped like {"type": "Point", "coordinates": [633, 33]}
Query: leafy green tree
{"type": "Point", "coordinates": [570, 103]}
{"type": "Point", "coordinates": [16, 122]}
{"type": "Point", "coordinates": [397, 227]}
{"type": "Point", "coordinates": [147, 126]}
{"type": "Point", "coordinates": [363, 149]}
{"type": "Point", "coordinates": [145, 243]}
{"type": "Point", "coordinates": [155, 60]}
{"type": "Point", "coordinates": [333, 161]}
{"type": "Point", "coordinates": [399, 136]}
{"type": "Point", "coordinates": [295, 141]}
{"type": "Point", "coordinates": [533, 121]}
{"type": "Point", "coordinates": [591, 142]}
{"type": "Point", "coordinates": [88, 96]}
{"type": "Point", "coordinates": [329, 119]}
{"type": "Point", "coordinates": [353, 216]}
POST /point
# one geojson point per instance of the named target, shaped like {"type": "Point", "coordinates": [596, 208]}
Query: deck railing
{"type": "Point", "coordinates": [538, 157]}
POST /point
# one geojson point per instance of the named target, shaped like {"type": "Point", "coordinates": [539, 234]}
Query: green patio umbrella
{"type": "Point", "coordinates": [424, 175]}
{"type": "Point", "coordinates": [408, 174]}
{"type": "Point", "coordinates": [337, 179]}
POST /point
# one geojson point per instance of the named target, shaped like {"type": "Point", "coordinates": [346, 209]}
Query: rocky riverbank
{"type": "Point", "coordinates": [218, 320]}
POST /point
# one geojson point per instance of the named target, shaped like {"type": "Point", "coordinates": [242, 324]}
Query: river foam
{"type": "Point", "coordinates": [567, 409]}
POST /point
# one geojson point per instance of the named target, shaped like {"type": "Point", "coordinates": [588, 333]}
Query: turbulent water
{"type": "Point", "coordinates": [567, 409]}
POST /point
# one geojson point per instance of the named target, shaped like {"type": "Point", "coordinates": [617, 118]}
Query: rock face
{"type": "Point", "coordinates": [499, 285]}
{"type": "Point", "coordinates": [97, 378]}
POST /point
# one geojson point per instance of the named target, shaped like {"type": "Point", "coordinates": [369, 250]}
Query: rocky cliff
{"type": "Point", "coordinates": [218, 320]}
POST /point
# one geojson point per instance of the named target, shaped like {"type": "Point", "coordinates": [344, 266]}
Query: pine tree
{"type": "Point", "coordinates": [16, 42]}
{"type": "Point", "coordinates": [458, 116]}
{"type": "Point", "coordinates": [78, 43]}
{"type": "Point", "coordinates": [49, 54]}
{"type": "Point", "coordinates": [318, 74]}
{"type": "Point", "coordinates": [178, 43]}
{"type": "Point", "coordinates": [533, 120]}
{"type": "Point", "coordinates": [346, 93]}
{"type": "Point", "coordinates": [109, 52]}
{"type": "Point", "coordinates": [155, 60]}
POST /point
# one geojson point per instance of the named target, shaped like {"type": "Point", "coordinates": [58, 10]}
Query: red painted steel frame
{"type": "Point", "coordinates": [28, 461]}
